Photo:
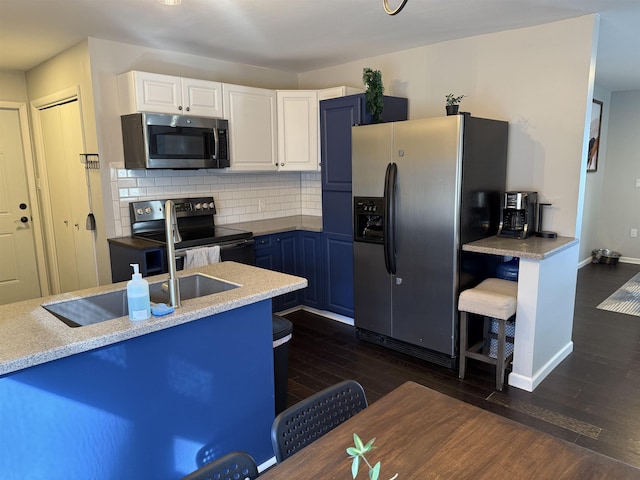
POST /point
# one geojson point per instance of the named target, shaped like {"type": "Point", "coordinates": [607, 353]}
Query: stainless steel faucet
{"type": "Point", "coordinates": [173, 237]}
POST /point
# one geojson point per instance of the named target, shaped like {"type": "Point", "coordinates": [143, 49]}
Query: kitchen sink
{"type": "Point", "coordinates": [107, 306]}
{"type": "Point", "coordinates": [193, 286]}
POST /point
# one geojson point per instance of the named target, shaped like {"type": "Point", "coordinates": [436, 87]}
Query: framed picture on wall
{"type": "Point", "coordinates": [594, 135]}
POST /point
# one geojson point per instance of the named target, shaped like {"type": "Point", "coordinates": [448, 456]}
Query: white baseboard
{"type": "Point", "coordinates": [584, 262]}
{"type": "Point", "coordinates": [635, 261]}
{"type": "Point", "coordinates": [530, 383]}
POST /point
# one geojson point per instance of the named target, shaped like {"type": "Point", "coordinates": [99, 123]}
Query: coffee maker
{"type": "Point", "coordinates": [518, 219]}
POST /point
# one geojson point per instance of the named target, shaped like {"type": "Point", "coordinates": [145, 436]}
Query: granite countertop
{"type": "Point", "coordinates": [279, 225]}
{"type": "Point", "coordinates": [32, 336]}
{"type": "Point", "coordinates": [535, 248]}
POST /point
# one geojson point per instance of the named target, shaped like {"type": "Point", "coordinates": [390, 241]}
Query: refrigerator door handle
{"type": "Point", "coordinates": [390, 217]}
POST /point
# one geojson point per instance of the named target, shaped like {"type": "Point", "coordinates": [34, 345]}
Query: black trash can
{"type": "Point", "coordinates": [282, 332]}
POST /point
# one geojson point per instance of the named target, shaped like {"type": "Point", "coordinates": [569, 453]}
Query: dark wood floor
{"type": "Point", "coordinates": [592, 398]}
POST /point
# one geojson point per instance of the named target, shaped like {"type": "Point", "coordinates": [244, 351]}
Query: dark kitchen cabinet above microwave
{"type": "Point", "coordinates": [337, 116]}
{"type": "Point", "coordinates": [153, 92]}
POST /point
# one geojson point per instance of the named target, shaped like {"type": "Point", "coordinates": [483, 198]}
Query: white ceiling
{"type": "Point", "coordinates": [303, 35]}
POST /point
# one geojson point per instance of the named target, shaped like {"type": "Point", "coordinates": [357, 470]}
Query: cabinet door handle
{"type": "Point", "coordinates": [188, 109]}
{"type": "Point", "coordinates": [180, 107]}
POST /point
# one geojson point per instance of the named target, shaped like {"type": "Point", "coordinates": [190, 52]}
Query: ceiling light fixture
{"type": "Point", "coordinates": [169, 2]}
{"type": "Point", "coordinates": [390, 11]}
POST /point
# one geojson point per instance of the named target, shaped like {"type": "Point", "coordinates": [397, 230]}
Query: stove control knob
{"type": "Point", "coordinates": [139, 211]}
{"type": "Point", "coordinates": [198, 206]}
{"type": "Point", "coordinates": [147, 210]}
{"type": "Point", "coordinates": [212, 205]}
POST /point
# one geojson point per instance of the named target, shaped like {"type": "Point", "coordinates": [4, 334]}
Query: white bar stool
{"type": "Point", "coordinates": [495, 300]}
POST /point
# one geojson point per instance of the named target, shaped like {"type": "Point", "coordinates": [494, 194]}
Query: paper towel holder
{"type": "Point", "coordinates": [539, 232]}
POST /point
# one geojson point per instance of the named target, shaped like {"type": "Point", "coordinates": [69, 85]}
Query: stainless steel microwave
{"type": "Point", "coordinates": [153, 140]}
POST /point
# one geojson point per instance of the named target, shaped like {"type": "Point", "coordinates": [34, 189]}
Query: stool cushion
{"type": "Point", "coordinates": [493, 297]}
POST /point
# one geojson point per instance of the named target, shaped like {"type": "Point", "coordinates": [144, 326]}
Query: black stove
{"type": "Point", "coordinates": [195, 218]}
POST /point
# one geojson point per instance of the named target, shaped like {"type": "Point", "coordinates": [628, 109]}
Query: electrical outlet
{"type": "Point", "coordinates": [634, 232]}
{"type": "Point", "coordinates": [262, 205]}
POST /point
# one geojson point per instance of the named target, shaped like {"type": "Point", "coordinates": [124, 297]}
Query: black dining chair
{"type": "Point", "coordinates": [233, 466]}
{"type": "Point", "coordinates": [309, 419]}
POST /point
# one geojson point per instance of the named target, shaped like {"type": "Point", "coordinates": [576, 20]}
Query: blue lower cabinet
{"type": "Point", "coordinates": [279, 252]}
{"type": "Point", "coordinates": [286, 245]}
{"type": "Point", "coordinates": [297, 253]}
{"type": "Point", "coordinates": [324, 259]}
{"type": "Point", "coordinates": [312, 267]}
{"type": "Point", "coordinates": [338, 252]}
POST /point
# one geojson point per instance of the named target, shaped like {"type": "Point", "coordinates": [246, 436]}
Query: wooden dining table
{"type": "Point", "coordinates": [422, 434]}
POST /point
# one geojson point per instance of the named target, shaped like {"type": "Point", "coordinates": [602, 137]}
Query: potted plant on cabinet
{"type": "Point", "coordinates": [453, 103]}
{"type": "Point", "coordinates": [372, 80]}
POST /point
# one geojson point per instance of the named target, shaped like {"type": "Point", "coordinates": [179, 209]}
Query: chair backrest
{"type": "Point", "coordinates": [309, 419]}
{"type": "Point", "coordinates": [232, 466]}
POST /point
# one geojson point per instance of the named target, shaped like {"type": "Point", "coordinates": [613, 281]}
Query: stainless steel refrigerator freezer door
{"type": "Point", "coordinates": [371, 153]}
{"type": "Point", "coordinates": [428, 154]}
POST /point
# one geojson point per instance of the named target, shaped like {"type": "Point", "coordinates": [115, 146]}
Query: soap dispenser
{"type": "Point", "coordinates": [138, 296]}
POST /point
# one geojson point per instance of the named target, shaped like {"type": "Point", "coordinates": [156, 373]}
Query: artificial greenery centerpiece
{"type": "Point", "coordinates": [357, 452]}
{"type": "Point", "coordinates": [374, 91]}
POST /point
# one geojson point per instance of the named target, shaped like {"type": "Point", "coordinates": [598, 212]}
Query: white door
{"type": "Point", "coordinates": [298, 130]}
{"type": "Point", "coordinates": [18, 271]}
{"type": "Point", "coordinates": [252, 134]}
{"type": "Point", "coordinates": [201, 97]}
{"type": "Point", "coordinates": [71, 245]}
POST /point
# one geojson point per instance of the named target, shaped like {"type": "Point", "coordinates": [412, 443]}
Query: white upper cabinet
{"type": "Point", "coordinates": [252, 127]}
{"type": "Point", "coordinates": [152, 92]}
{"type": "Point", "coordinates": [298, 130]}
{"type": "Point", "coordinates": [202, 98]}
{"type": "Point", "coordinates": [335, 92]}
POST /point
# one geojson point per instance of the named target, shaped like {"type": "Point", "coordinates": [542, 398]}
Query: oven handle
{"type": "Point", "coordinates": [223, 246]}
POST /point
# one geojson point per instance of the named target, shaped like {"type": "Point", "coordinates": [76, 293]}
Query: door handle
{"type": "Point", "coordinates": [23, 220]}
{"type": "Point", "coordinates": [390, 218]}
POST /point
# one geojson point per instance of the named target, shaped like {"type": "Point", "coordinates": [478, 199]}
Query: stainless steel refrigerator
{"type": "Point", "coordinates": [421, 189]}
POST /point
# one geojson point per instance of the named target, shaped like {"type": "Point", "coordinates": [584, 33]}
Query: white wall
{"type": "Point", "coordinates": [620, 205]}
{"type": "Point", "coordinates": [13, 86]}
{"type": "Point", "coordinates": [594, 185]}
{"type": "Point", "coordinates": [538, 78]}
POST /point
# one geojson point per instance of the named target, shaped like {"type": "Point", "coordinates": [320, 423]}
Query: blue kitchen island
{"type": "Point", "coordinates": [134, 400]}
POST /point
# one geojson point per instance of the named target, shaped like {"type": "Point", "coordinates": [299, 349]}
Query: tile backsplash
{"type": "Point", "coordinates": [240, 197]}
